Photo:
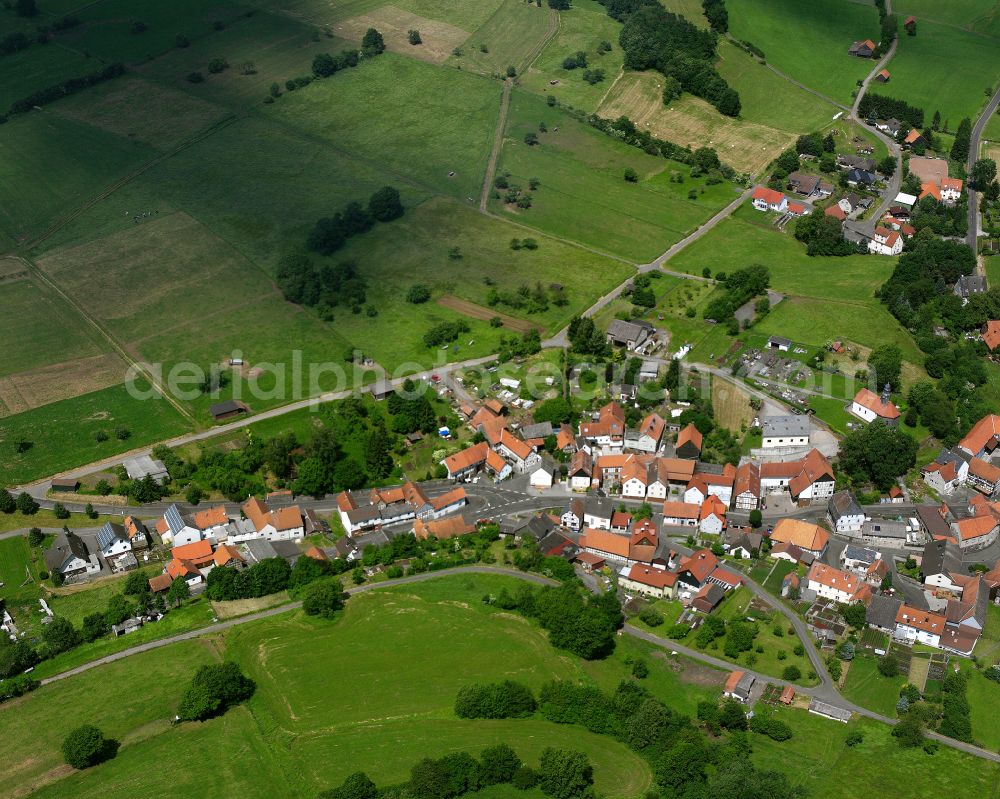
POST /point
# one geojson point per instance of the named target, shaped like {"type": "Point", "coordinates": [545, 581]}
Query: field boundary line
{"type": "Point", "coordinates": [198, 137]}
{"type": "Point", "coordinates": [498, 134]}
{"type": "Point", "coordinates": [550, 32]}
{"type": "Point", "coordinates": [66, 297]}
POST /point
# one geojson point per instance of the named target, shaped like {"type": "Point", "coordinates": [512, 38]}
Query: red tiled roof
{"type": "Point", "coordinates": [713, 505]}
{"type": "Point", "coordinates": [770, 196]}
{"type": "Point", "coordinates": [975, 527]}
{"type": "Point", "coordinates": [211, 517]}
{"type": "Point", "coordinates": [981, 434]}
{"type": "Point", "coordinates": [983, 470]}
{"type": "Point", "coordinates": [700, 564]}
{"type": "Point", "coordinates": [834, 578]}
{"type": "Point", "coordinates": [690, 435]}
{"type": "Point", "coordinates": [732, 681]}
{"type": "Point", "coordinates": [920, 619]}
{"type": "Point", "coordinates": [680, 510]}
{"type": "Point", "coordinates": [467, 458]}
{"type": "Point", "coordinates": [836, 212]}
{"type": "Point", "coordinates": [991, 334]}
{"type": "Point", "coordinates": [604, 541]}
{"type": "Point", "coordinates": [800, 533]}
{"type": "Point", "coordinates": [954, 184]}
{"type": "Point", "coordinates": [195, 551]}
{"type": "Point", "coordinates": [655, 578]}
{"type": "Point", "coordinates": [930, 190]}
{"type": "Point", "coordinates": [867, 398]}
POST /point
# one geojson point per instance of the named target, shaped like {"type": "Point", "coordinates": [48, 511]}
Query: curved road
{"type": "Point", "coordinates": [826, 691]}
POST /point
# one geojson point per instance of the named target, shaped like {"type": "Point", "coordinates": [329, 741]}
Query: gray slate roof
{"type": "Point", "coordinates": [842, 504]}
{"type": "Point", "coordinates": [941, 557]}
{"type": "Point", "coordinates": [782, 426]}
{"type": "Point", "coordinates": [882, 611]}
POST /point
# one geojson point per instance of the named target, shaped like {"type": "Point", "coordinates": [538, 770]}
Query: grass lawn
{"type": "Point", "coordinates": [62, 433]}
{"type": "Point", "coordinates": [808, 41]}
{"type": "Point", "coordinates": [746, 238]}
{"type": "Point", "coordinates": [993, 270]}
{"type": "Point", "coordinates": [583, 27]}
{"type": "Point", "coordinates": [865, 686]}
{"type": "Point", "coordinates": [984, 702]}
{"type": "Point", "coordinates": [976, 15]}
{"type": "Point", "coordinates": [772, 582]}
{"type": "Point", "coordinates": [192, 615]}
{"type": "Point", "coordinates": [33, 728]}
{"type": "Point", "coordinates": [38, 67]}
{"type": "Point", "coordinates": [582, 194]}
{"type": "Point", "coordinates": [512, 35]}
{"type": "Point", "coordinates": [21, 591]}
{"type": "Point", "coordinates": [39, 329]}
{"type": "Point", "coordinates": [835, 770]}
{"type": "Point", "coordinates": [769, 99]}
{"type": "Point", "coordinates": [50, 165]}
{"type": "Point", "coordinates": [926, 74]}
{"type": "Point", "coordinates": [429, 125]}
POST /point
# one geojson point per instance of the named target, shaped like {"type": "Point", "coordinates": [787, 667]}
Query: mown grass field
{"type": "Point", "coordinates": [583, 195]}
{"type": "Point", "coordinates": [808, 41]}
{"type": "Point", "coordinates": [583, 27]}
{"type": "Point", "coordinates": [689, 121]}
{"type": "Point", "coordinates": [767, 98]}
{"type": "Point", "coordinates": [982, 16]}
{"type": "Point", "coordinates": [297, 736]}
{"type": "Point", "coordinates": [926, 73]}
{"type": "Point", "coordinates": [62, 432]}
{"type": "Point", "coordinates": [747, 238]}
{"type": "Point", "coordinates": [867, 687]}
{"type": "Point", "coordinates": [513, 35]}
{"type": "Point", "coordinates": [38, 328]}
{"type": "Point", "coordinates": [132, 701]}
{"type": "Point", "coordinates": [836, 771]}
{"type": "Point", "coordinates": [49, 166]}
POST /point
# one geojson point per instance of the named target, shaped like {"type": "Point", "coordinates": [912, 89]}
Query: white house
{"type": "Point", "coordinates": [712, 517]}
{"type": "Point", "coordinates": [785, 431]}
{"type": "Point", "coordinates": [919, 626]}
{"type": "Point", "coordinates": [765, 199]}
{"type": "Point", "coordinates": [112, 540]}
{"type": "Point", "coordinates": [542, 474]}
{"type": "Point", "coordinates": [597, 513]}
{"type": "Point", "coordinates": [951, 189]}
{"type": "Point", "coordinates": [175, 530]}
{"type": "Point", "coordinates": [870, 406]}
{"type": "Point", "coordinates": [885, 242]}
{"type": "Point", "coordinates": [283, 524]}
{"type": "Point", "coordinates": [832, 583]}
{"type": "Point", "coordinates": [845, 513]}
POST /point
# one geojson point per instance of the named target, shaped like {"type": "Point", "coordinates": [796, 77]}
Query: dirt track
{"type": "Point", "coordinates": [474, 311]}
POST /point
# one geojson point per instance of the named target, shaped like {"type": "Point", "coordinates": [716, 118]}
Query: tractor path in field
{"type": "Point", "coordinates": [491, 166]}
{"type": "Point", "coordinates": [561, 339]}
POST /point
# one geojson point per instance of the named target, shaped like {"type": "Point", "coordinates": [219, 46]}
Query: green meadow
{"type": "Point", "coordinates": [583, 195]}
{"type": "Point", "coordinates": [808, 41]}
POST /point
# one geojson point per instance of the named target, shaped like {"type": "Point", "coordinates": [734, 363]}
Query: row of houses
{"type": "Point", "coordinates": [257, 520]}
{"type": "Point", "coordinates": [394, 505]}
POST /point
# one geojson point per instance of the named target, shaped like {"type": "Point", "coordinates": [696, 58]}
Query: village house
{"type": "Point", "coordinates": [914, 625]}
{"type": "Point", "coordinates": [742, 542]}
{"type": "Point", "coordinates": [704, 484]}
{"type": "Point", "coordinates": [629, 334]}
{"type": "Point", "coordinates": [543, 474]}
{"type": "Point", "coordinates": [113, 540]}
{"type": "Point", "coordinates": [809, 537]}
{"type": "Point", "coordinates": [580, 472]}
{"type": "Point", "coordinates": [464, 464]}
{"type": "Point", "coordinates": [785, 432]}
{"type": "Point", "coordinates": [913, 139]}
{"type": "Point", "coordinates": [746, 488]}
{"type": "Point", "coordinates": [828, 582]}
{"type": "Point", "coordinates": [807, 480]}
{"type": "Point", "coordinates": [648, 436]}
{"type": "Point", "coordinates": [991, 334]}
{"type": "Point", "coordinates": [69, 556]}
{"type": "Point", "coordinates": [496, 466]}
{"type": "Point", "coordinates": [712, 517]}
{"type": "Point", "coordinates": [738, 686]}
{"type": "Point", "coordinates": [689, 442]}
{"type": "Point", "coordinates": [765, 199]}
{"type": "Point", "coordinates": [791, 553]}
{"type": "Point", "coordinates": [882, 76]}
{"type": "Point", "coordinates": [283, 524]}
{"type": "Point", "coordinates": [968, 285]}
{"type": "Point", "coordinates": [779, 343]}
{"type": "Point", "coordinates": [836, 211]}
{"type": "Point", "coordinates": [680, 514]}
{"type": "Point", "coordinates": [640, 547]}
{"type": "Point", "coordinates": [597, 513]}
{"type": "Point", "coordinates": [859, 559]}
{"type": "Point", "coordinates": [848, 161]}
{"type": "Point", "coordinates": [885, 242]}
{"type": "Point", "coordinates": [870, 406]}
{"type": "Point", "coordinates": [845, 514]}
{"type": "Point", "coordinates": [607, 430]}
{"type": "Point", "coordinates": [948, 471]}
{"type": "Point", "coordinates": [648, 581]}
{"type": "Point", "coordinates": [983, 476]}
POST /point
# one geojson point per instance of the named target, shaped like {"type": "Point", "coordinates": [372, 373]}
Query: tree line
{"type": "Point", "coordinates": [329, 234]}
{"type": "Point", "coordinates": [685, 763]}
{"type": "Point", "coordinates": [878, 106]}
{"type": "Point", "coordinates": [561, 774]}
{"type": "Point", "coordinates": [654, 38]}
{"type": "Point", "coordinates": [739, 287]}
{"type": "Point", "coordinates": [64, 89]}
